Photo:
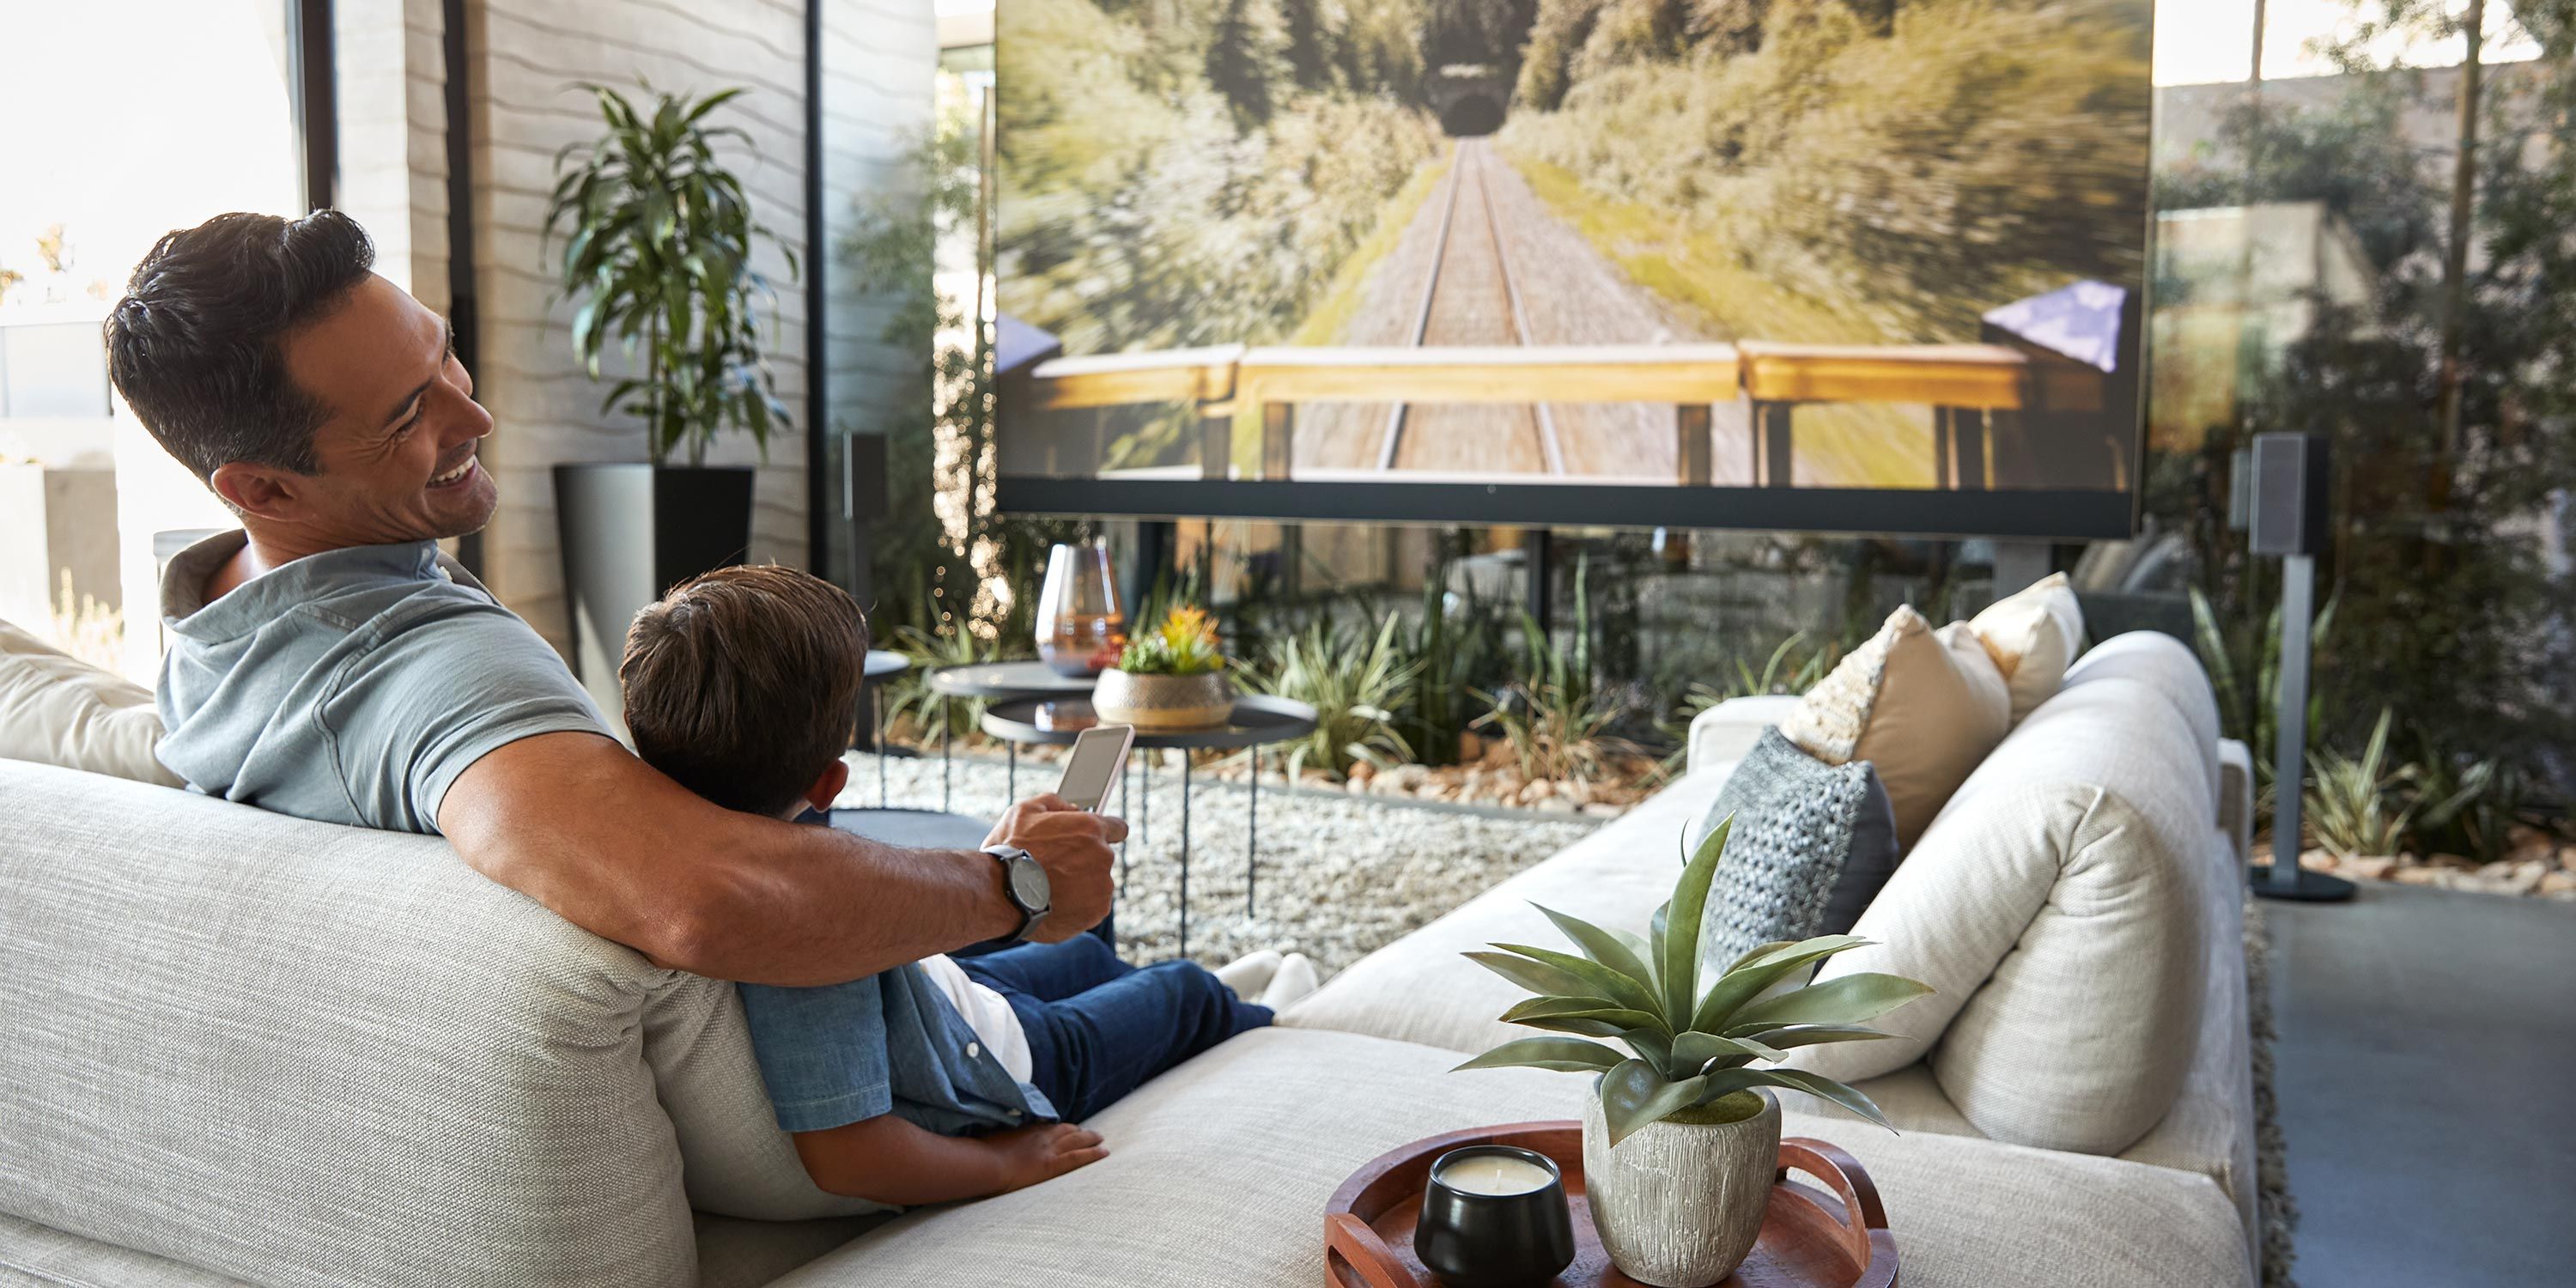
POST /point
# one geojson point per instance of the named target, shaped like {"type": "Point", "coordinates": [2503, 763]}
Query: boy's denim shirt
{"type": "Point", "coordinates": [889, 1043]}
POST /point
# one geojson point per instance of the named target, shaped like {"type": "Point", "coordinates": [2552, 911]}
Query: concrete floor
{"type": "Point", "coordinates": [2427, 1076]}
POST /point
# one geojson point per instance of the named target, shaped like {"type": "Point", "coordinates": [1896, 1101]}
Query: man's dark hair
{"type": "Point", "coordinates": [743, 684]}
{"type": "Point", "coordinates": [195, 344]}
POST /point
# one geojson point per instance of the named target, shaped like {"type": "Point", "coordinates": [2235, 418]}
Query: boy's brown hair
{"type": "Point", "coordinates": [743, 684]}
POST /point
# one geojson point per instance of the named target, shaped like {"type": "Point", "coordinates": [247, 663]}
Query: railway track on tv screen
{"type": "Point", "coordinates": [1471, 297]}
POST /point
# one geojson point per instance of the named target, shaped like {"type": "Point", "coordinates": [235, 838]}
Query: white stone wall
{"type": "Point", "coordinates": [393, 136]}
{"type": "Point", "coordinates": [526, 56]}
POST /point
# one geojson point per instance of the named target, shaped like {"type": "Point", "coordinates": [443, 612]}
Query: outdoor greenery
{"type": "Point", "coordinates": [1355, 689]}
{"type": "Point", "coordinates": [1692, 1046]}
{"type": "Point", "coordinates": [658, 247]}
{"type": "Point", "coordinates": [941, 538]}
{"type": "Point", "coordinates": [2446, 610]}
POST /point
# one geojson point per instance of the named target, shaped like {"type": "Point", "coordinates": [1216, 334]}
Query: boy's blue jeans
{"type": "Point", "coordinates": [1098, 1027]}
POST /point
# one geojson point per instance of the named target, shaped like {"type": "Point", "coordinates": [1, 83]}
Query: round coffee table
{"type": "Point", "coordinates": [1255, 722]}
{"type": "Point", "coordinates": [993, 681]}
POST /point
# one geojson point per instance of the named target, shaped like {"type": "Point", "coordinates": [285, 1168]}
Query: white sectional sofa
{"type": "Point", "coordinates": [247, 1049]}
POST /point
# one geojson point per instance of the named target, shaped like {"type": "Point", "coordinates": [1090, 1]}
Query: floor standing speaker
{"type": "Point", "coordinates": [2288, 518]}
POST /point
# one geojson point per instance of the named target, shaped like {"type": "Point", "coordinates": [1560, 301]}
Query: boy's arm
{"type": "Point", "coordinates": [888, 1159]}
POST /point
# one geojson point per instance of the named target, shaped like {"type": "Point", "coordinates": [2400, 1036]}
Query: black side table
{"type": "Point", "coordinates": [1256, 722]}
{"type": "Point", "coordinates": [999, 681]}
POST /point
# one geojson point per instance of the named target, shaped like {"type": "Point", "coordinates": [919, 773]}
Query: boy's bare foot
{"type": "Point", "coordinates": [1296, 978]}
{"type": "Point", "coordinates": [1249, 974]}
{"type": "Point", "coordinates": [1044, 1152]}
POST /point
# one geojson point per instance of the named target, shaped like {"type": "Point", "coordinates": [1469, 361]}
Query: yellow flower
{"type": "Point", "coordinates": [1189, 625]}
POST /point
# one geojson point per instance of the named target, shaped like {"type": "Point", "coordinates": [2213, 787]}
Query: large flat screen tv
{"type": "Point", "coordinates": [1839, 265]}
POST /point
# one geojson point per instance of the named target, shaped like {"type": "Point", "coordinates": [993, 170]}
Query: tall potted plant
{"type": "Point", "coordinates": [657, 242]}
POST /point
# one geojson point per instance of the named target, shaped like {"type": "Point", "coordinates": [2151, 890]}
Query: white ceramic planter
{"type": "Point", "coordinates": [1162, 702]}
{"type": "Point", "coordinates": [1678, 1205]}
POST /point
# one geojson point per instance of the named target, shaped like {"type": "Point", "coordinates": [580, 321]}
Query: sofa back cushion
{"type": "Point", "coordinates": [58, 710]}
{"type": "Point", "coordinates": [300, 1054]}
{"type": "Point", "coordinates": [2056, 907]}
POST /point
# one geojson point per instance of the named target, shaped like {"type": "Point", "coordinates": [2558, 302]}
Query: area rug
{"type": "Point", "coordinates": [2275, 1208]}
{"type": "Point", "coordinates": [1338, 876]}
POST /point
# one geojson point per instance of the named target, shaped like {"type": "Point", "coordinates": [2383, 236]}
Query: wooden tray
{"type": "Point", "coordinates": [1810, 1238]}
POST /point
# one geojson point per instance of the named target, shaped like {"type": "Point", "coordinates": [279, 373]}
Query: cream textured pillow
{"type": "Point", "coordinates": [58, 710]}
{"type": "Point", "coordinates": [2033, 636]}
{"type": "Point", "coordinates": [1923, 706]}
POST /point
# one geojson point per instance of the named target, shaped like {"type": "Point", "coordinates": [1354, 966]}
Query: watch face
{"type": "Point", "coordinates": [1029, 883]}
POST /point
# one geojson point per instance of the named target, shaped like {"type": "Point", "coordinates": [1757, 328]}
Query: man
{"type": "Point", "coordinates": [327, 662]}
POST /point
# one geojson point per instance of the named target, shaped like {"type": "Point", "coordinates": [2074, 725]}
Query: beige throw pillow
{"type": "Point", "coordinates": [2033, 637]}
{"type": "Point", "coordinates": [58, 710]}
{"type": "Point", "coordinates": [1923, 706]}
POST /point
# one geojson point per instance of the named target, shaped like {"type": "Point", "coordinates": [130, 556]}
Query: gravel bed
{"type": "Point", "coordinates": [1339, 875]}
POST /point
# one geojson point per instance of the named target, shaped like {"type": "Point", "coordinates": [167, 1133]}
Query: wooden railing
{"type": "Point", "coordinates": [1974, 390]}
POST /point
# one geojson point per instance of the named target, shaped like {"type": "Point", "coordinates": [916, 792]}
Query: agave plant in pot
{"type": "Point", "coordinates": [1170, 678]}
{"type": "Point", "coordinates": [657, 256]}
{"type": "Point", "coordinates": [1681, 1139]}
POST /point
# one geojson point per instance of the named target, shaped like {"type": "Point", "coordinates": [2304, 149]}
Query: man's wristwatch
{"type": "Point", "coordinates": [1025, 882]}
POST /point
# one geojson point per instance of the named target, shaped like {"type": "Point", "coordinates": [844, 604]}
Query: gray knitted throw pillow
{"type": "Point", "coordinates": [1795, 818]}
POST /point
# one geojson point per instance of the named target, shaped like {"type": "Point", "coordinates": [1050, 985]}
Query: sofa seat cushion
{"type": "Point", "coordinates": [1218, 1174]}
{"type": "Point", "coordinates": [1419, 989]}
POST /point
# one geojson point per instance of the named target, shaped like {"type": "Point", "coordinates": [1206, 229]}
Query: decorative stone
{"type": "Point", "coordinates": [2369, 869]}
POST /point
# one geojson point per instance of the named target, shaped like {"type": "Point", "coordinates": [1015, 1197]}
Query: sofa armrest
{"type": "Point", "coordinates": [1726, 732]}
{"type": "Point", "coordinates": [2236, 797]}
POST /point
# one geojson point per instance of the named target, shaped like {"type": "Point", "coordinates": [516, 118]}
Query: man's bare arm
{"type": "Point", "coordinates": [576, 822]}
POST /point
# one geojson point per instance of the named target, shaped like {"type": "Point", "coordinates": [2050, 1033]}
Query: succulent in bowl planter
{"type": "Point", "coordinates": [1170, 678]}
{"type": "Point", "coordinates": [1680, 1140]}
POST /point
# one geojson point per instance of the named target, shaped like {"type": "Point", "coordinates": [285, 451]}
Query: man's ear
{"type": "Point", "coordinates": [829, 786]}
{"type": "Point", "coordinates": [260, 491]}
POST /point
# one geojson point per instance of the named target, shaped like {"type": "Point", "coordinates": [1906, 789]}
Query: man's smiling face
{"type": "Point", "coordinates": [397, 455]}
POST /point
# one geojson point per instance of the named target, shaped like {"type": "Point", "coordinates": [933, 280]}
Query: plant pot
{"type": "Point", "coordinates": [1161, 702]}
{"type": "Point", "coordinates": [1678, 1204]}
{"type": "Point", "coordinates": [630, 533]}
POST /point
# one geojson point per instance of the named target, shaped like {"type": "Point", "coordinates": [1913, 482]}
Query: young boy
{"type": "Point", "coordinates": [939, 1080]}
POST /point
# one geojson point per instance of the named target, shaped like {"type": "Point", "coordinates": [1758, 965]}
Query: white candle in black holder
{"type": "Point", "coordinates": [1494, 1216]}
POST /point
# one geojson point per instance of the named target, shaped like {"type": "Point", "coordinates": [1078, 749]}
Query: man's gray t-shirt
{"type": "Point", "coordinates": [351, 686]}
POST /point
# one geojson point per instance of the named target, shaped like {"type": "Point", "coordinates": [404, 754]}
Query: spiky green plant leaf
{"type": "Point", "coordinates": [1537, 977]}
{"type": "Point", "coordinates": [1635, 1093]}
{"type": "Point", "coordinates": [1736, 990]}
{"type": "Point", "coordinates": [1572, 1055]}
{"type": "Point", "coordinates": [1693, 1051]}
{"type": "Point", "coordinates": [1582, 1008]}
{"type": "Point", "coordinates": [1798, 1035]}
{"type": "Point", "coordinates": [1847, 999]}
{"type": "Point", "coordinates": [1729, 1081]}
{"type": "Point", "coordinates": [1619, 953]}
{"type": "Point", "coordinates": [1677, 966]}
{"type": "Point", "coordinates": [1602, 980]}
